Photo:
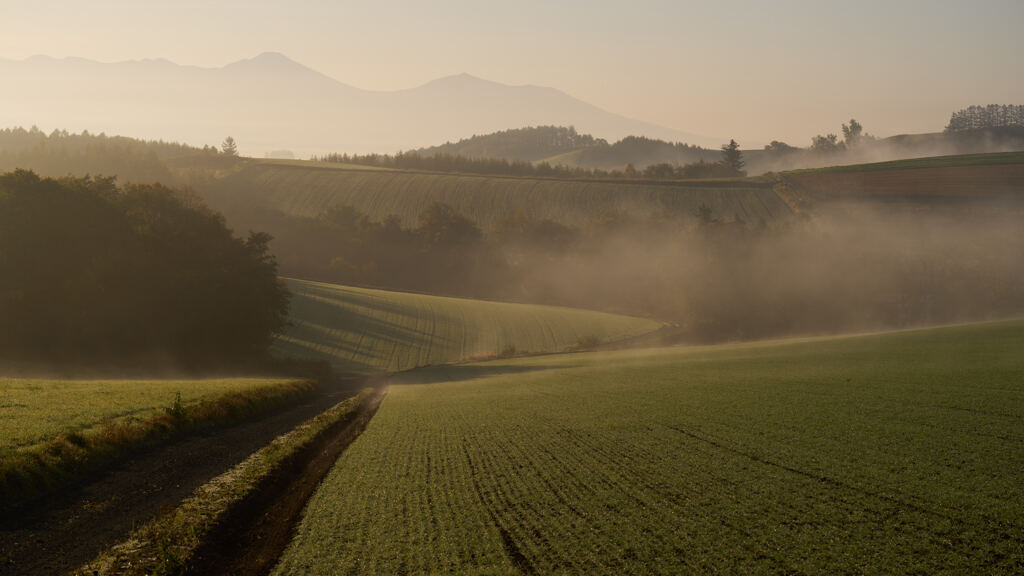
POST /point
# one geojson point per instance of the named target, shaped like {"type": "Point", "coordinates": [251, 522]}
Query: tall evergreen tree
{"type": "Point", "coordinates": [732, 158]}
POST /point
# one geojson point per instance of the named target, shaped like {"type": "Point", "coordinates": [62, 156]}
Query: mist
{"type": "Point", "coordinates": [856, 268]}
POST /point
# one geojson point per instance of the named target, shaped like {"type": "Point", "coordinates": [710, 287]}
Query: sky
{"type": "Point", "coordinates": [755, 71]}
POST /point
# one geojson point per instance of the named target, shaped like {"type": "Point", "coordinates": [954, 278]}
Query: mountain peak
{"type": "Point", "coordinates": [266, 60]}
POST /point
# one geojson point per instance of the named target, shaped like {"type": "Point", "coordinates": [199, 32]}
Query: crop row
{"type": "Point", "coordinates": [895, 453]}
{"type": "Point", "coordinates": [369, 330]}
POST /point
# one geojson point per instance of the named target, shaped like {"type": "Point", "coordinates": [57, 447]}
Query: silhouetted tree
{"type": "Point", "coordinates": [732, 158]}
{"type": "Point", "coordinates": [853, 133]}
{"type": "Point", "coordinates": [229, 147]}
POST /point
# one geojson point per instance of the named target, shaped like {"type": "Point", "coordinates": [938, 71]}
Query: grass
{"type": "Point", "coordinates": [166, 544]}
{"type": "Point", "coordinates": [892, 453]}
{"type": "Point", "coordinates": [364, 330]}
{"type": "Point", "coordinates": [54, 430]}
{"type": "Point", "coordinates": [303, 188]}
{"type": "Point", "coordinates": [993, 159]}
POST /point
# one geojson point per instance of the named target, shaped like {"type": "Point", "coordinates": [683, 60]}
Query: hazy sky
{"type": "Point", "coordinates": [756, 71]}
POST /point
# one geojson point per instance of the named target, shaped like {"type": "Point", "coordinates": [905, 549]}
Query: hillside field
{"type": "Point", "coordinates": [308, 189]}
{"type": "Point", "coordinates": [988, 181]}
{"type": "Point", "coordinates": [887, 453]}
{"type": "Point", "coordinates": [365, 330]}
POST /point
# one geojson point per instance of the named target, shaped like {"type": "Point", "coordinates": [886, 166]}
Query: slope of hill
{"type": "Point", "coordinates": [271, 102]}
{"type": "Point", "coordinates": [308, 189]}
{"type": "Point", "coordinates": [887, 453]}
{"type": "Point", "coordinates": [361, 330]}
{"type": "Point", "coordinates": [524, 144]}
{"type": "Point", "coordinates": [993, 181]}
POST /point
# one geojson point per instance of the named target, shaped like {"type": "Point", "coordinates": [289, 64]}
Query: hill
{"type": "Point", "coordinates": [977, 181]}
{"type": "Point", "coordinates": [358, 329]}
{"type": "Point", "coordinates": [893, 453]}
{"type": "Point", "coordinates": [302, 188]}
{"type": "Point", "coordinates": [525, 144]}
{"type": "Point", "coordinates": [271, 102]}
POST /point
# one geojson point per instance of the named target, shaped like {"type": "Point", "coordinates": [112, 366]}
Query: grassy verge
{"type": "Point", "coordinates": [165, 545]}
{"type": "Point", "coordinates": [29, 473]}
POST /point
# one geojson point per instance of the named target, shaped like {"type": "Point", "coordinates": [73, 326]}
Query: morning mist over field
{"type": "Point", "coordinates": [519, 288]}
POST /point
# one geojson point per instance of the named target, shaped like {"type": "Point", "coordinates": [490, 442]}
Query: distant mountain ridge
{"type": "Point", "coordinates": [271, 102]}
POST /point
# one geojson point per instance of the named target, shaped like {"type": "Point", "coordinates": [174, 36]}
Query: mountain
{"type": "Point", "coordinates": [271, 102]}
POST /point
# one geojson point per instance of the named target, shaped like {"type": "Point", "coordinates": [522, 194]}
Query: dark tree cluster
{"type": "Point", "coordinates": [445, 254]}
{"type": "Point", "coordinates": [523, 144]}
{"type": "Point", "coordinates": [981, 117]}
{"type": "Point", "coordinates": [97, 274]}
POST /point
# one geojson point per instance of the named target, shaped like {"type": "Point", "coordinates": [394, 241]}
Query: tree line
{"type": "Point", "coordinates": [60, 152]}
{"type": "Point", "coordinates": [730, 165]}
{"type": "Point", "coordinates": [94, 273]}
{"type": "Point", "coordinates": [991, 116]}
{"type": "Point", "coordinates": [718, 276]}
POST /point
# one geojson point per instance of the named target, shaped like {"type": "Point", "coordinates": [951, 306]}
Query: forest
{"type": "Point", "coordinates": [93, 273]}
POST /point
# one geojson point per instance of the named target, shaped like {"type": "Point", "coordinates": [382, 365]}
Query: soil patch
{"type": "Point", "coordinates": [75, 526]}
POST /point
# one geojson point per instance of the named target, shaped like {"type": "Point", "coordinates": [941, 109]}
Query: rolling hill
{"type": "Point", "coordinates": [977, 181]}
{"type": "Point", "coordinates": [364, 330]}
{"type": "Point", "coordinates": [887, 453]}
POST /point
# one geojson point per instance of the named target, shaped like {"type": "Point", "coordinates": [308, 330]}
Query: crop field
{"type": "Point", "coordinates": [34, 411]}
{"type": "Point", "coordinates": [309, 188]}
{"type": "Point", "coordinates": [920, 183]}
{"type": "Point", "coordinates": [993, 159]}
{"type": "Point", "coordinates": [365, 330]}
{"type": "Point", "coordinates": [889, 453]}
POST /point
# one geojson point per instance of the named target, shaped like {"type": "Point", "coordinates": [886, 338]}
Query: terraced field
{"type": "Point", "coordinates": [892, 453]}
{"type": "Point", "coordinates": [305, 188]}
{"type": "Point", "coordinates": [34, 411]}
{"type": "Point", "coordinates": [364, 330]}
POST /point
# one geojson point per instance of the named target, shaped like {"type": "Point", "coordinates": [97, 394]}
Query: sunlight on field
{"type": "Point", "coordinates": [34, 411]}
{"type": "Point", "coordinates": [359, 329]}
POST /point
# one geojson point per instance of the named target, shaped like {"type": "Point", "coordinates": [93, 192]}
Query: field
{"type": "Point", "coordinates": [35, 411]}
{"type": "Point", "coordinates": [994, 159]}
{"type": "Point", "coordinates": [890, 453]}
{"type": "Point", "coordinates": [990, 181]}
{"type": "Point", "coordinates": [364, 330]}
{"type": "Point", "coordinates": [310, 188]}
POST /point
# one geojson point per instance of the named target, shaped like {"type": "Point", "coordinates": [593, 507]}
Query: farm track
{"type": "Point", "coordinates": [255, 533]}
{"type": "Point", "coordinates": [74, 527]}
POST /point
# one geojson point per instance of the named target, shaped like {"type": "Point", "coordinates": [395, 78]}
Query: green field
{"type": "Point", "coordinates": [893, 453]}
{"type": "Point", "coordinates": [364, 330]}
{"type": "Point", "coordinates": [34, 411]}
{"type": "Point", "coordinates": [305, 188]}
{"type": "Point", "coordinates": [994, 159]}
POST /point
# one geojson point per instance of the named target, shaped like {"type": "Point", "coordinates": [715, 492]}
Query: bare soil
{"type": "Point", "coordinates": [72, 528]}
{"type": "Point", "coordinates": [250, 540]}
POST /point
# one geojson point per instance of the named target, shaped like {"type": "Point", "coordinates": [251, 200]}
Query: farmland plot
{"type": "Point", "coordinates": [33, 411]}
{"type": "Point", "coordinates": [893, 453]}
{"type": "Point", "coordinates": [308, 189]}
{"type": "Point", "coordinates": [365, 330]}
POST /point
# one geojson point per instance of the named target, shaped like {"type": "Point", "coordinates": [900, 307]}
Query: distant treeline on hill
{"type": "Point", "coordinates": [463, 164]}
{"type": "Point", "coordinates": [60, 153]}
{"type": "Point", "coordinates": [91, 273]}
{"type": "Point", "coordinates": [500, 166]}
{"type": "Point", "coordinates": [526, 144]}
{"type": "Point", "coordinates": [981, 117]}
